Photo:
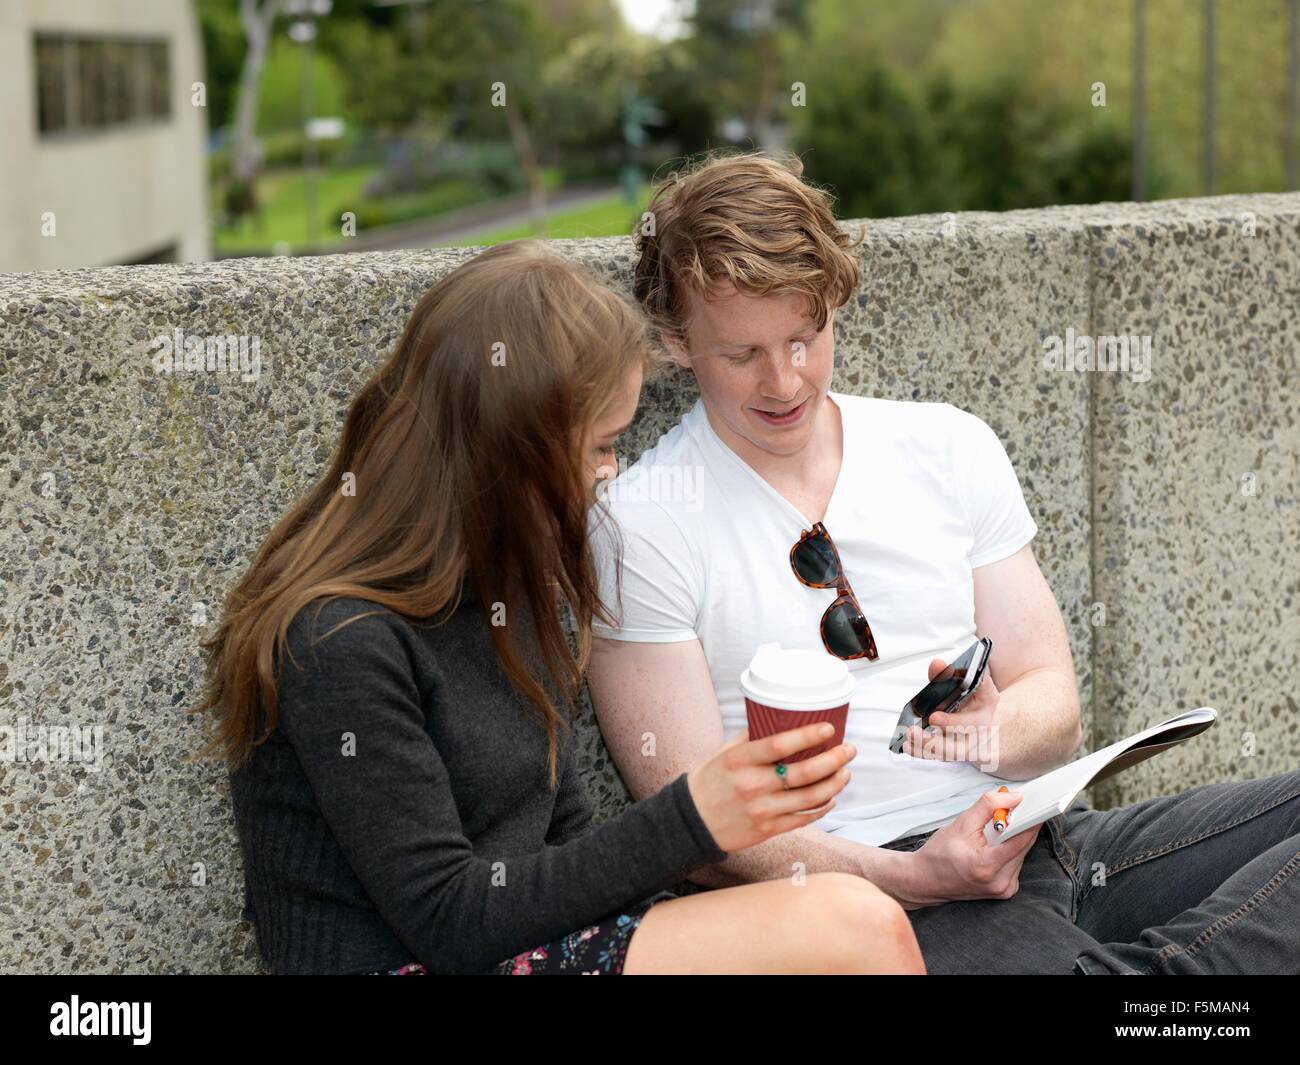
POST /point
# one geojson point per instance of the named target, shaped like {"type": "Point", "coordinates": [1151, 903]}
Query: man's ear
{"type": "Point", "coordinates": [675, 345]}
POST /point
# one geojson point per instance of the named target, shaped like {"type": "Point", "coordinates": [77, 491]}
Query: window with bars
{"type": "Point", "coordinates": [88, 83]}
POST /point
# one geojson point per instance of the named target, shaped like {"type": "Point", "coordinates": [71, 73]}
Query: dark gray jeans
{"type": "Point", "coordinates": [1203, 882]}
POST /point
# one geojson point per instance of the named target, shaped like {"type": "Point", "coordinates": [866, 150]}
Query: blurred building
{"type": "Point", "coordinates": [104, 157]}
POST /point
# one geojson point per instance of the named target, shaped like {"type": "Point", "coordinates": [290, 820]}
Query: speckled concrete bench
{"type": "Point", "coordinates": [1167, 509]}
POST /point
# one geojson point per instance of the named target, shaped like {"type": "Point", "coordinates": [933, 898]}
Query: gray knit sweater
{"type": "Point", "coordinates": [401, 812]}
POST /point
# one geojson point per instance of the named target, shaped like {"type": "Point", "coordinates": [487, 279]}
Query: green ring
{"type": "Point", "coordinates": [780, 769]}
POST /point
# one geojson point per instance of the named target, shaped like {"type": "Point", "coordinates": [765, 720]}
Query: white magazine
{"type": "Point", "coordinates": [1054, 792]}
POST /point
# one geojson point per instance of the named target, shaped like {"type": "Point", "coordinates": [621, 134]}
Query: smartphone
{"type": "Point", "coordinates": [946, 693]}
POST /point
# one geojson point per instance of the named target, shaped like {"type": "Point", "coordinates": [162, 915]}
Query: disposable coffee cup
{"type": "Point", "coordinates": [788, 688]}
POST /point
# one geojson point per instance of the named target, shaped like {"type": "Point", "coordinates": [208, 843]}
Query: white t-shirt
{"type": "Point", "coordinates": [925, 494]}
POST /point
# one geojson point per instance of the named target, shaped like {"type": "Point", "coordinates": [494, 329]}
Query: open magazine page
{"type": "Point", "coordinates": [1052, 793]}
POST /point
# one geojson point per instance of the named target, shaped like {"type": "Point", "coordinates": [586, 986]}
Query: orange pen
{"type": "Point", "coordinates": [1000, 815]}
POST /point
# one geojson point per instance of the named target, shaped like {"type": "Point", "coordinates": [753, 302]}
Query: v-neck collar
{"type": "Point", "coordinates": [726, 449]}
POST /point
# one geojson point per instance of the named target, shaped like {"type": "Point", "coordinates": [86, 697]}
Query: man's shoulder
{"type": "Point", "coordinates": [906, 418]}
{"type": "Point", "coordinates": [677, 444]}
{"type": "Point", "coordinates": [666, 485]}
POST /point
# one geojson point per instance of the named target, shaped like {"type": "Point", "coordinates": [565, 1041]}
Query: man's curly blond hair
{"type": "Point", "coordinates": [747, 218]}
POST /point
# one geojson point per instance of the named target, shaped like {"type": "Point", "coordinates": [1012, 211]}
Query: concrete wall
{"type": "Point", "coordinates": [1167, 510]}
{"type": "Point", "coordinates": [118, 194]}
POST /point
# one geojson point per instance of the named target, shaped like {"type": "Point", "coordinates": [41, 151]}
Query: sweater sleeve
{"type": "Point", "coordinates": [572, 814]}
{"type": "Point", "coordinates": [352, 709]}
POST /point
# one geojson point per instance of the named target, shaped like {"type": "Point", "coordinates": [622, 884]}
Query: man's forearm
{"type": "Point", "coordinates": [1037, 725]}
{"type": "Point", "coordinates": [807, 850]}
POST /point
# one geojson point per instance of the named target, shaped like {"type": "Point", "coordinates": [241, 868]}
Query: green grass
{"type": "Point", "coordinates": [421, 206]}
{"type": "Point", "coordinates": [608, 217]}
{"type": "Point", "coordinates": [283, 197]}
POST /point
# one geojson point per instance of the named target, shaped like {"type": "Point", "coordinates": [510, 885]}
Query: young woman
{"type": "Point", "coordinates": [387, 676]}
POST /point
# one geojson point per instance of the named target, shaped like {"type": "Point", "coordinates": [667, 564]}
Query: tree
{"type": "Point", "coordinates": [258, 17]}
{"type": "Point", "coordinates": [864, 133]}
{"type": "Point", "coordinates": [737, 45]}
{"type": "Point", "coordinates": [223, 57]}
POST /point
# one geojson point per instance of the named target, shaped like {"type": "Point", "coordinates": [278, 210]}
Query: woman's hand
{"type": "Point", "coordinates": [743, 800]}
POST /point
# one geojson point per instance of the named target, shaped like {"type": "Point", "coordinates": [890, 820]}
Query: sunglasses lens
{"type": "Point", "coordinates": [815, 563]}
{"type": "Point", "coordinates": [846, 631]}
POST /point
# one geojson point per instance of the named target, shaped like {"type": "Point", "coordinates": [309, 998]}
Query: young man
{"type": "Point", "coordinates": [742, 275]}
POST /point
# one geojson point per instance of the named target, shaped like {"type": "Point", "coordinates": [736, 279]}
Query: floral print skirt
{"type": "Point", "coordinates": [598, 948]}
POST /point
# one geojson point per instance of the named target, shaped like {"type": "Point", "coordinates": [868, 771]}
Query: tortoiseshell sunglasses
{"type": "Point", "coordinates": [845, 632]}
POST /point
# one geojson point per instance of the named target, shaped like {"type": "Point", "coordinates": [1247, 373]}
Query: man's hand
{"type": "Point", "coordinates": [969, 735]}
{"type": "Point", "coordinates": [957, 862]}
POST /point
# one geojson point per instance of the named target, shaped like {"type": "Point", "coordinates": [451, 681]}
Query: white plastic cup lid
{"type": "Point", "coordinates": [793, 679]}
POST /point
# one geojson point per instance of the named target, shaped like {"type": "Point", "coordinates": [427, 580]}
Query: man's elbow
{"type": "Point", "coordinates": [721, 875]}
{"type": "Point", "coordinates": [1076, 734]}
{"type": "Point", "coordinates": [1077, 741]}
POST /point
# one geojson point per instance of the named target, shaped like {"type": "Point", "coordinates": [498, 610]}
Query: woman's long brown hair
{"type": "Point", "coordinates": [465, 450]}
